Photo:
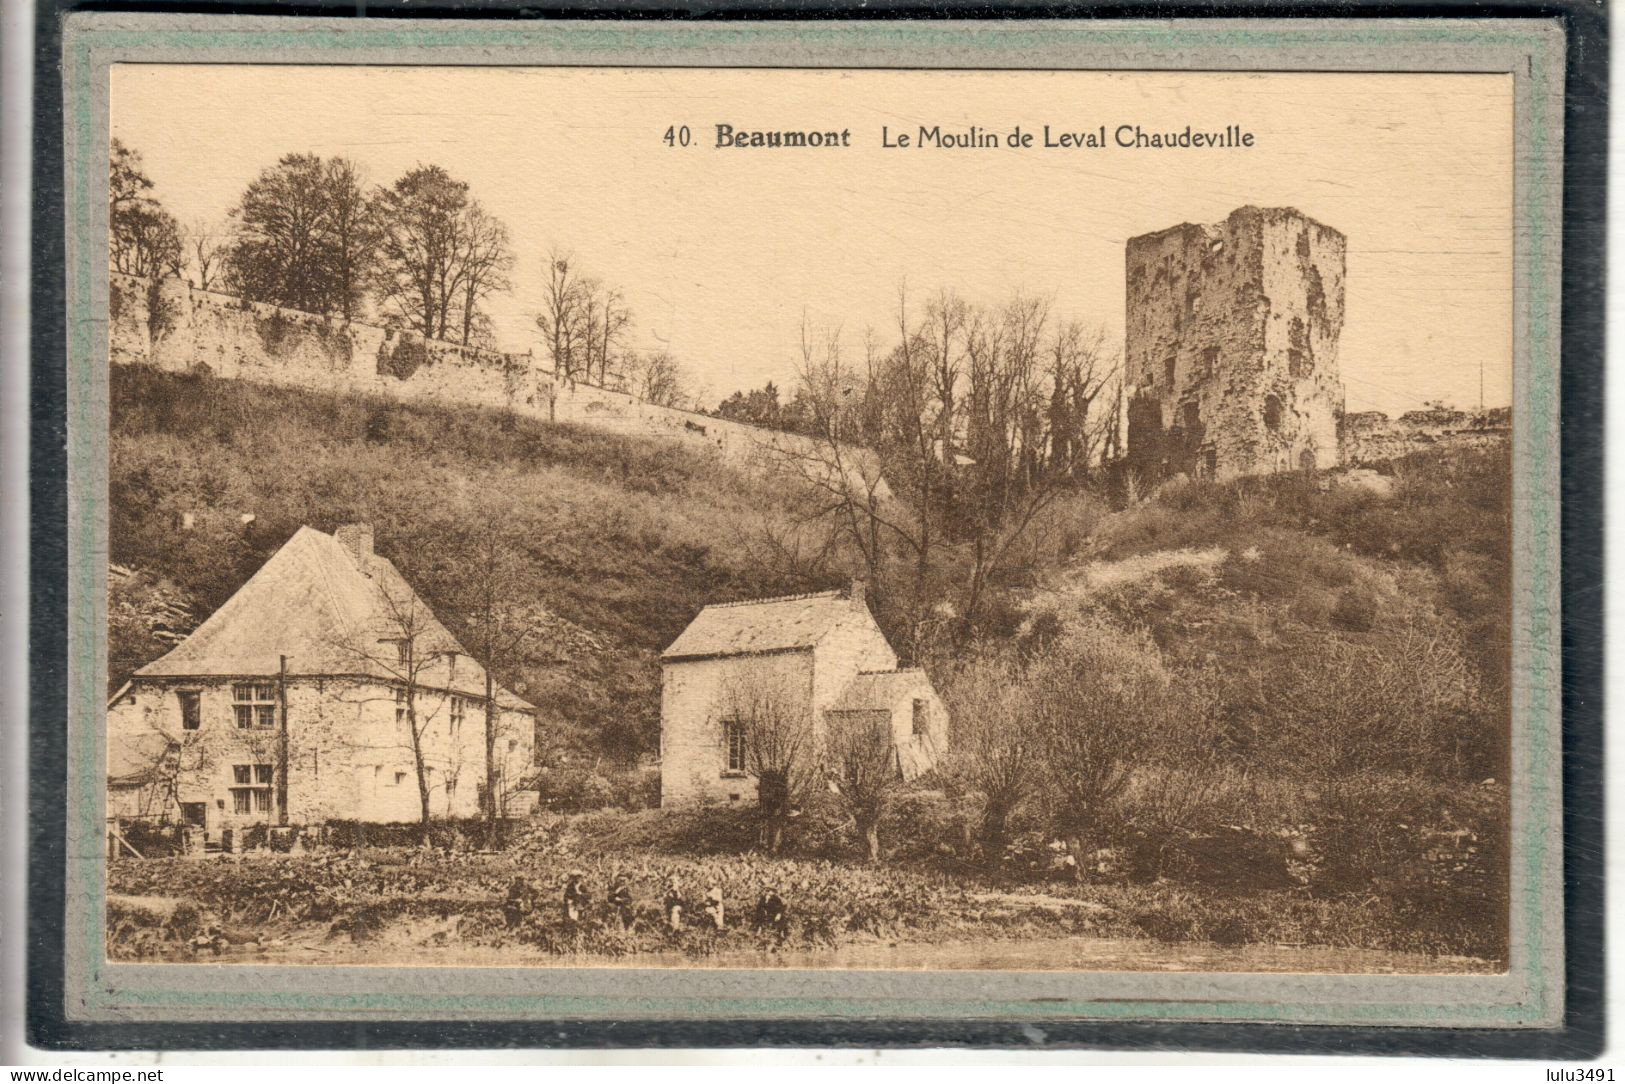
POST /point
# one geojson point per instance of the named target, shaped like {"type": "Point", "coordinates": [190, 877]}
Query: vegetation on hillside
{"type": "Point", "coordinates": [620, 540]}
{"type": "Point", "coordinates": [1292, 684]}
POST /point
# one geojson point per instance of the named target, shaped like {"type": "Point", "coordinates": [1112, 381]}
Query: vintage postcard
{"type": "Point", "coordinates": [775, 519]}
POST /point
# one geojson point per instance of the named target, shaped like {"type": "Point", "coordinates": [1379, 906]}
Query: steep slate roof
{"type": "Point", "coordinates": [880, 690]}
{"type": "Point", "coordinates": [790, 623]}
{"type": "Point", "coordinates": [314, 603]}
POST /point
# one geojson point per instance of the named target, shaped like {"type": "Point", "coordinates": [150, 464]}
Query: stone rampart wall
{"type": "Point", "coordinates": [173, 326]}
{"type": "Point", "coordinates": [1373, 437]}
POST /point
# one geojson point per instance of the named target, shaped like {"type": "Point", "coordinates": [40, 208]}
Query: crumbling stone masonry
{"type": "Point", "coordinates": [170, 325]}
{"type": "Point", "coordinates": [1231, 346]}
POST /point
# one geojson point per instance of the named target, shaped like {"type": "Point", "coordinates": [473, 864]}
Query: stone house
{"type": "Point", "coordinates": [291, 705]}
{"type": "Point", "coordinates": [814, 659]}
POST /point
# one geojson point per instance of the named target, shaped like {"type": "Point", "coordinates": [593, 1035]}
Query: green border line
{"type": "Point", "coordinates": [85, 54]}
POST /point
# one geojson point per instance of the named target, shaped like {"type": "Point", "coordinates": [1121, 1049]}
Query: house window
{"type": "Point", "coordinates": [1272, 413]}
{"type": "Point", "coordinates": [921, 721]}
{"type": "Point", "coordinates": [191, 709]}
{"type": "Point", "coordinates": [1210, 360]}
{"type": "Point", "coordinates": [400, 778]}
{"type": "Point", "coordinates": [1168, 370]}
{"type": "Point", "coordinates": [459, 708]}
{"type": "Point", "coordinates": [733, 740]}
{"type": "Point", "coordinates": [251, 790]}
{"type": "Point", "coordinates": [400, 705]}
{"type": "Point", "coordinates": [403, 650]}
{"type": "Point", "coordinates": [255, 704]}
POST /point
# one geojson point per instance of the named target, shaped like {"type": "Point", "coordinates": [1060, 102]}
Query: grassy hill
{"type": "Point", "coordinates": [621, 539]}
{"type": "Point", "coordinates": [1248, 585]}
{"type": "Point", "coordinates": [1310, 662]}
{"type": "Point", "coordinates": [1269, 589]}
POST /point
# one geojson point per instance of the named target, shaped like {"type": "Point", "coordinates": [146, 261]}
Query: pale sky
{"type": "Point", "coordinates": [719, 251]}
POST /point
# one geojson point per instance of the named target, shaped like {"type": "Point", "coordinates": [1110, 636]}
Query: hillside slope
{"type": "Point", "coordinates": [620, 539]}
{"type": "Point", "coordinates": [1314, 610]}
{"type": "Point", "coordinates": [1252, 588]}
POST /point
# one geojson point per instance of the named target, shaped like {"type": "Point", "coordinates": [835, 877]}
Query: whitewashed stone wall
{"type": "Point", "coordinates": [694, 697]}
{"type": "Point", "coordinates": [345, 751]}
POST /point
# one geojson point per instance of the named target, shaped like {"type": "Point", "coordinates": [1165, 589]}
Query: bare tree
{"type": "Point", "coordinates": [956, 417]}
{"type": "Point", "coordinates": [613, 320]}
{"type": "Point", "coordinates": [440, 253]}
{"type": "Point", "coordinates": [484, 263]}
{"type": "Point", "coordinates": [1080, 377]}
{"type": "Point", "coordinates": [560, 320]}
{"type": "Point", "coordinates": [353, 231]}
{"type": "Point", "coordinates": [862, 762]}
{"type": "Point", "coordinates": [207, 246]}
{"type": "Point", "coordinates": [143, 238]}
{"type": "Point", "coordinates": [1006, 483]}
{"type": "Point", "coordinates": [413, 646]}
{"type": "Point", "coordinates": [484, 579]}
{"type": "Point", "coordinates": [657, 378]}
{"type": "Point", "coordinates": [760, 709]}
{"type": "Point", "coordinates": [303, 236]}
{"type": "Point", "coordinates": [997, 745]}
{"type": "Point", "coordinates": [841, 476]}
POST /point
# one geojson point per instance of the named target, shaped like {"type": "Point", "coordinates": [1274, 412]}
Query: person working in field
{"type": "Point", "coordinates": [575, 896]}
{"type": "Point", "coordinates": [713, 908]}
{"type": "Point", "coordinates": [519, 902]}
{"type": "Point", "coordinates": [771, 914]}
{"type": "Point", "coordinates": [620, 902]}
{"type": "Point", "coordinates": [672, 904]}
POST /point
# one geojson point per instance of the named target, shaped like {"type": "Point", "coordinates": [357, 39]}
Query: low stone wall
{"type": "Point", "coordinates": [1373, 437]}
{"type": "Point", "coordinates": [173, 326]}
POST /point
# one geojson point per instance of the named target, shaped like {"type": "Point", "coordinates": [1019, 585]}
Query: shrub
{"type": "Point", "coordinates": [573, 789]}
{"type": "Point", "coordinates": [1356, 611]}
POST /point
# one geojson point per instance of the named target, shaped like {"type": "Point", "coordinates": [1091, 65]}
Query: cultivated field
{"type": "Point", "coordinates": [407, 905]}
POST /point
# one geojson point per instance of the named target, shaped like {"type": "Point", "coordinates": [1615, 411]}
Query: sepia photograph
{"type": "Point", "coordinates": [727, 518]}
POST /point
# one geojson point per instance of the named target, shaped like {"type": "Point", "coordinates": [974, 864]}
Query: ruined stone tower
{"type": "Point", "coordinates": [1231, 346]}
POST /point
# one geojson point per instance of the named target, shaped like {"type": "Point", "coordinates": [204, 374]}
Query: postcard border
{"type": "Point", "coordinates": [1536, 1003]}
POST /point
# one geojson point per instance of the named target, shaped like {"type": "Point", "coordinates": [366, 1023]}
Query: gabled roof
{"type": "Point", "coordinates": [790, 623]}
{"type": "Point", "coordinates": [315, 603]}
{"type": "Point", "coordinates": [881, 690]}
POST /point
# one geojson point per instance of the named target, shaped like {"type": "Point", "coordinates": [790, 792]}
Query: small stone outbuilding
{"type": "Point", "coordinates": [813, 657]}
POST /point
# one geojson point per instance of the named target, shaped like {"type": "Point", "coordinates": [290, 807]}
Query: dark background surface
{"type": "Point", "coordinates": [1584, 190]}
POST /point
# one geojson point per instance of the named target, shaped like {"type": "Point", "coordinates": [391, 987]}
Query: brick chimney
{"type": "Point", "coordinates": [859, 594]}
{"type": "Point", "coordinates": [357, 539]}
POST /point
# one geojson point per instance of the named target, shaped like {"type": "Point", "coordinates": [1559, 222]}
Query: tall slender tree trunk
{"type": "Point", "coordinates": [490, 754]}
{"type": "Point", "coordinates": [417, 759]}
{"type": "Point", "coordinates": [995, 820]}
